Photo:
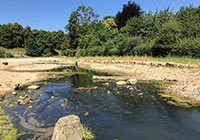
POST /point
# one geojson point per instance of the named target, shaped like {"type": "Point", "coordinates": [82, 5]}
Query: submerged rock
{"type": "Point", "coordinates": [86, 113]}
{"type": "Point", "coordinates": [68, 128]}
{"type": "Point", "coordinates": [30, 107]}
{"type": "Point", "coordinates": [33, 87]}
{"type": "Point", "coordinates": [53, 97]}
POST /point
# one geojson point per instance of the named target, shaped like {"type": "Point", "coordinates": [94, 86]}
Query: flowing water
{"type": "Point", "coordinates": [111, 112]}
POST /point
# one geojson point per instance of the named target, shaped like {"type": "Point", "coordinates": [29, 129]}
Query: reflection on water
{"type": "Point", "coordinates": [111, 112]}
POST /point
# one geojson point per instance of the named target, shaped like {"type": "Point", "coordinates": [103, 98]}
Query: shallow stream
{"type": "Point", "coordinates": [111, 112]}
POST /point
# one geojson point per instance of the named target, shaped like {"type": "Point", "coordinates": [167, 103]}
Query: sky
{"type": "Point", "coordinates": [54, 14]}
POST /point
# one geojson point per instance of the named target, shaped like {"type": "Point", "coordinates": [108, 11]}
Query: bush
{"type": "Point", "coordinates": [187, 47]}
{"type": "Point", "coordinates": [81, 52]}
{"type": "Point", "coordinates": [9, 55]}
{"type": "Point", "coordinates": [96, 51]}
{"type": "Point", "coordinates": [2, 53]}
{"type": "Point", "coordinates": [144, 48]}
{"type": "Point", "coordinates": [168, 35]}
{"type": "Point", "coordinates": [111, 49]}
{"type": "Point", "coordinates": [127, 45]}
{"type": "Point", "coordinates": [69, 52]}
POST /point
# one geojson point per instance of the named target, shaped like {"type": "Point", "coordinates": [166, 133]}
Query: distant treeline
{"type": "Point", "coordinates": [130, 32]}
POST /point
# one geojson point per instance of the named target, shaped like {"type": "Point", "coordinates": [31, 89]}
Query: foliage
{"type": "Point", "coordinates": [144, 49]}
{"type": "Point", "coordinates": [78, 24]}
{"type": "Point", "coordinates": [40, 43]}
{"type": "Point", "coordinates": [132, 26]}
{"type": "Point", "coordinates": [187, 47]}
{"type": "Point", "coordinates": [111, 25]}
{"type": "Point", "coordinates": [189, 17]}
{"type": "Point", "coordinates": [129, 10]}
{"type": "Point", "coordinates": [167, 38]}
{"type": "Point", "coordinates": [2, 53]}
{"type": "Point", "coordinates": [87, 134]}
{"type": "Point", "coordinates": [130, 32]}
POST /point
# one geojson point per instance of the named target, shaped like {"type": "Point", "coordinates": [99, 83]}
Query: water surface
{"type": "Point", "coordinates": [121, 113]}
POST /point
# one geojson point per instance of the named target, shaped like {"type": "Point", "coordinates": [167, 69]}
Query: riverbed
{"type": "Point", "coordinates": [111, 112]}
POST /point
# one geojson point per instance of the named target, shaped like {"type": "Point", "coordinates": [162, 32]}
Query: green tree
{"type": "Point", "coordinates": [59, 38]}
{"type": "Point", "coordinates": [111, 25]}
{"type": "Point", "coordinates": [167, 38]}
{"type": "Point", "coordinates": [6, 36]}
{"type": "Point", "coordinates": [78, 24]}
{"type": "Point", "coordinates": [189, 17]}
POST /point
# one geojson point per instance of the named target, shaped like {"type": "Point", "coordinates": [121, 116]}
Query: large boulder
{"type": "Point", "coordinates": [68, 128]}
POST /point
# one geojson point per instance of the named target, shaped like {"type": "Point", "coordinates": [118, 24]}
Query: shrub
{"type": "Point", "coordinates": [144, 48]}
{"type": "Point", "coordinates": [69, 52]}
{"type": "Point", "coordinates": [168, 35]}
{"type": "Point", "coordinates": [9, 55]}
{"type": "Point", "coordinates": [81, 52]}
{"type": "Point", "coordinates": [96, 51]}
{"type": "Point", "coordinates": [127, 45]}
{"type": "Point", "coordinates": [187, 47]}
{"type": "Point", "coordinates": [2, 53]}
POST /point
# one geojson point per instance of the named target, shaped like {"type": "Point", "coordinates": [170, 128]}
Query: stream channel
{"type": "Point", "coordinates": [111, 112]}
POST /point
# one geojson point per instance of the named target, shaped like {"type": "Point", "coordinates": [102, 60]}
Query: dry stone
{"type": "Point", "coordinates": [121, 83]}
{"type": "Point", "coordinates": [68, 128]}
{"type": "Point", "coordinates": [33, 87]}
{"type": "Point", "coordinates": [132, 81]}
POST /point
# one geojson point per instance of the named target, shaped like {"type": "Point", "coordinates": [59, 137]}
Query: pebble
{"type": "Point", "coordinates": [86, 113]}
{"type": "Point", "coordinates": [53, 97]}
{"type": "Point", "coordinates": [140, 94]}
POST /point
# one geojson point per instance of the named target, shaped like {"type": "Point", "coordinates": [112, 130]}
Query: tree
{"type": "Point", "coordinates": [167, 38]}
{"type": "Point", "coordinates": [78, 24]}
{"type": "Point", "coordinates": [130, 10]}
{"type": "Point", "coordinates": [132, 27]}
{"type": "Point", "coordinates": [111, 25]}
{"type": "Point", "coordinates": [6, 37]}
{"type": "Point", "coordinates": [17, 35]}
{"type": "Point", "coordinates": [59, 38]}
{"type": "Point", "coordinates": [189, 17]}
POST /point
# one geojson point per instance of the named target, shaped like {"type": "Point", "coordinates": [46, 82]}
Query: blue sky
{"type": "Point", "coordinates": [54, 14]}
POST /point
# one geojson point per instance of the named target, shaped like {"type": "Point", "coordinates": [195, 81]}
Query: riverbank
{"type": "Point", "coordinates": [183, 80]}
{"type": "Point", "coordinates": [24, 71]}
{"type": "Point", "coordinates": [180, 82]}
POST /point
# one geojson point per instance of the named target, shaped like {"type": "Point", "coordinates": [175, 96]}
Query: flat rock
{"type": "Point", "coordinates": [132, 81]}
{"type": "Point", "coordinates": [121, 83]}
{"type": "Point", "coordinates": [33, 87]}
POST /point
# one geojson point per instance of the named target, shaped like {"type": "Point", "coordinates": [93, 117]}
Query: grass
{"type": "Point", "coordinates": [87, 134]}
{"type": "Point", "coordinates": [183, 60]}
{"type": "Point", "coordinates": [15, 50]}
